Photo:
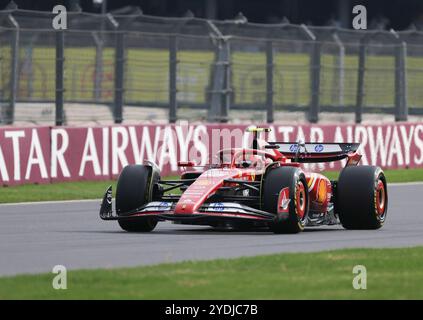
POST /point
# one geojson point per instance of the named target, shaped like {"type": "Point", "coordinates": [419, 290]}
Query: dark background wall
{"type": "Point", "coordinates": [397, 14]}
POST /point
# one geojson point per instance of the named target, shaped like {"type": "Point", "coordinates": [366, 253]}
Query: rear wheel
{"type": "Point", "coordinates": [362, 197]}
{"type": "Point", "coordinates": [134, 190]}
{"type": "Point", "coordinates": [285, 194]}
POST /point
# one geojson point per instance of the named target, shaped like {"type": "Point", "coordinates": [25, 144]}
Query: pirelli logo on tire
{"type": "Point", "coordinates": [283, 201]}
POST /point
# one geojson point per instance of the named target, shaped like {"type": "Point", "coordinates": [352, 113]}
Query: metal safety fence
{"type": "Point", "coordinates": [111, 67]}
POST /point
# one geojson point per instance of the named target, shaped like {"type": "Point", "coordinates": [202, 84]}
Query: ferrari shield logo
{"type": "Point", "coordinates": [283, 201]}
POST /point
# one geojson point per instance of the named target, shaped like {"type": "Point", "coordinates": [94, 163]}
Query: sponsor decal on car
{"type": "Point", "coordinates": [312, 181]}
{"type": "Point", "coordinates": [322, 191]}
{"type": "Point", "coordinates": [165, 205]}
{"type": "Point", "coordinates": [109, 196]}
{"type": "Point", "coordinates": [158, 206]}
{"type": "Point", "coordinates": [193, 193]}
{"type": "Point", "coordinates": [217, 172]}
{"type": "Point", "coordinates": [217, 206]}
{"type": "Point", "coordinates": [293, 147]}
{"type": "Point", "coordinates": [319, 148]}
{"type": "Point", "coordinates": [224, 207]}
{"type": "Point", "coordinates": [202, 182]}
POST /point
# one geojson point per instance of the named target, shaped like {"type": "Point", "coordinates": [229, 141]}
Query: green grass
{"type": "Point", "coordinates": [95, 189]}
{"type": "Point", "coordinates": [391, 274]}
{"type": "Point", "coordinates": [400, 175]}
{"type": "Point", "coordinates": [57, 191]}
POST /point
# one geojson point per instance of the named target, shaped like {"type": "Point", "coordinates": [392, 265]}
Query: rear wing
{"type": "Point", "coordinates": [317, 152]}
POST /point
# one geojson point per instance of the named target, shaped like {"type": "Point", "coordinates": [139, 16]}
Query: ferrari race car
{"type": "Point", "coordinates": [264, 187]}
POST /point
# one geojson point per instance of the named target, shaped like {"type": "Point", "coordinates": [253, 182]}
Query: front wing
{"type": "Point", "coordinates": [207, 213]}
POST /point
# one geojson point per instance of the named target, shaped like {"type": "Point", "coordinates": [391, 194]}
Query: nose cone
{"type": "Point", "coordinates": [205, 185]}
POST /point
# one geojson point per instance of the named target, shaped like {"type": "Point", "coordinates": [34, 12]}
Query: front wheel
{"type": "Point", "coordinates": [285, 193]}
{"type": "Point", "coordinates": [362, 197]}
{"type": "Point", "coordinates": [134, 189]}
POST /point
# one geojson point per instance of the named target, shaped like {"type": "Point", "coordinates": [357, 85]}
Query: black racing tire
{"type": "Point", "coordinates": [133, 190]}
{"type": "Point", "coordinates": [274, 182]}
{"type": "Point", "coordinates": [362, 198]}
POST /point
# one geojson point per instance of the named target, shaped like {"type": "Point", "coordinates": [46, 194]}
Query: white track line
{"type": "Point", "coordinates": [395, 184]}
{"type": "Point", "coordinates": [50, 202]}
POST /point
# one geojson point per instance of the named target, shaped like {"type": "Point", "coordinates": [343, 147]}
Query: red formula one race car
{"type": "Point", "coordinates": [257, 187]}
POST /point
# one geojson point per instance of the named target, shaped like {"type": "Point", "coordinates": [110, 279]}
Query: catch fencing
{"type": "Point", "coordinates": [113, 67]}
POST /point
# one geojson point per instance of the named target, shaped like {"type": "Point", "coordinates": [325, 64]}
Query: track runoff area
{"type": "Point", "coordinates": [70, 233]}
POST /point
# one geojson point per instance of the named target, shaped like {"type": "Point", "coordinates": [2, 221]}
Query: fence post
{"type": "Point", "coordinates": [360, 82]}
{"type": "Point", "coordinates": [98, 71]}
{"type": "Point", "coordinates": [315, 83]}
{"type": "Point", "coordinates": [60, 43]}
{"type": "Point", "coordinates": [9, 113]}
{"type": "Point", "coordinates": [226, 90]}
{"type": "Point", "coordinates": [212, 113]}
{"type": "Point", "coordinates": [220, 89]}
{"type": "Point", "coordinates": [339, 77]}
{"type": "Point", "coordinates": [269, 82]}
{"type": "Point", "coordinates": [173, 47]}
{"type": "Point", "coordinates": [220, 98]}
{"type": "Point", "coordinates": [401, 107]}
{"type": "Point", "coordinates": [119, 76]}
{"type": "Point", "coordinates": [313, 114]}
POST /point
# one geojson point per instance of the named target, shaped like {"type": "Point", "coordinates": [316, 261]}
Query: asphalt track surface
{"type": "Point", "coordinates": [36, 237]}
